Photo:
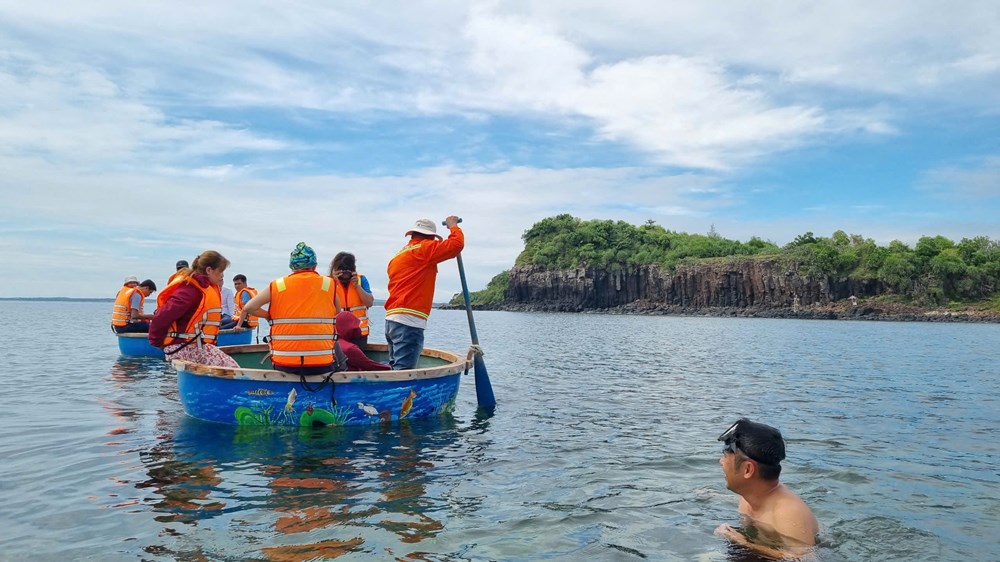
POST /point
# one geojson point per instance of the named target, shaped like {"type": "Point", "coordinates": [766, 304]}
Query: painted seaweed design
{"type": "Point", "coordinates": [248, 416]}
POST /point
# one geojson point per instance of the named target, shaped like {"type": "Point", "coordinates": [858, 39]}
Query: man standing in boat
{"type": "Point", "coordinates": [775, 521]}
{"type": "Point", "coordinates": [412, 275]}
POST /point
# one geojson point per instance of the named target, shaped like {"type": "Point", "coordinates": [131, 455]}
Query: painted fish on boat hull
{"type": "Point", "coordinates": [264, 397]}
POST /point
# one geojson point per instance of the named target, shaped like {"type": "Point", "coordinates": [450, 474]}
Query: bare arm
{"type": "Point", "coordinates": [790, 532]}
{"type": "Point", "coordinates": [253, 307]}
{"type": "Point", "coordinates": [134, 316]}
{"type": "Point", "coordinates": [736, 537]}
{"type": "Point", "coordinates": [134, 302]}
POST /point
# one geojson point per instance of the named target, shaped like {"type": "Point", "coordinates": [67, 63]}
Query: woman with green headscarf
{"type": "Point", "coordinates": [302, 310]}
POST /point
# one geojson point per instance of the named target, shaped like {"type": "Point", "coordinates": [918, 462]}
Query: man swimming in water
{"type": "Point", "coordinates": [776, 522]}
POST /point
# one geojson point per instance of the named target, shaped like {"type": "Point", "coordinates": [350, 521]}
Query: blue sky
{"type": "Point", "coordinates": [135, 134]}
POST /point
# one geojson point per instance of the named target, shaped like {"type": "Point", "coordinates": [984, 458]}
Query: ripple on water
{"type": "Point", "coordinates": [603, 447]}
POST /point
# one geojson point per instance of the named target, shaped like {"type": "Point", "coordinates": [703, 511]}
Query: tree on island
{"type": "Point", "coordinates": [935, 271]}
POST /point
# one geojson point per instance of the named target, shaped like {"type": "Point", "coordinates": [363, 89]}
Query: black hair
{"type": "Point", "coordinates": [149, 283]}
{"type": "Point", "coordinates": [239, 277]}
{"type": "Point", "coordinates": [763, 444]}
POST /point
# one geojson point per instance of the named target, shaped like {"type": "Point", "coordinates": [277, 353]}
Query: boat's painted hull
{"type": "Point", "coordinates": [248, 396]}
{"type": "Point", "coordinates": [232, 337]}
{"type": "Point", "coordinates": [137, 345]}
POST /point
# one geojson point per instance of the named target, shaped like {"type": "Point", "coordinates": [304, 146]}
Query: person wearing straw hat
{"type": "Point", "coordinates": [120, 314]}
{"type": "Point", "coordinates": [412, 275]}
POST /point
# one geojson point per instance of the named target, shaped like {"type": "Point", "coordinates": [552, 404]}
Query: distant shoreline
{"type": "Point", "coordinates": [831, 311]}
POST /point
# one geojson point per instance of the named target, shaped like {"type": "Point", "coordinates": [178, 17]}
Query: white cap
{"type": "Point", "coordinates": [424, 226]}
{"type": "Point", "coordinates": [131, 279]}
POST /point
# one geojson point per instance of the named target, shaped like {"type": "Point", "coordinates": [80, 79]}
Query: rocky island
{"type": "Point", "coordinates": [570, 265]}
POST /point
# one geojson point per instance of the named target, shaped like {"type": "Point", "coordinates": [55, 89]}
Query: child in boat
{"type": "Point", "coordinates": [348, 331]}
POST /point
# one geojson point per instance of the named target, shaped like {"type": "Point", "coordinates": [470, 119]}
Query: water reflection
{"type": "Point", "coordinates": [126, 379]}
{"type": "Point", "coordinates": [358, 489]}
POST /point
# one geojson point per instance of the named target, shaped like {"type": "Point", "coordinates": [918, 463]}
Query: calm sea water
{"type": "Point", "coordinates": [602, 446]}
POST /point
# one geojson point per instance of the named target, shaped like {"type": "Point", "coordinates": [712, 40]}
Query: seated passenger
{"type": "Point", "coordinates": [244, 293]}
{"type": "Point", "coordinates": [180, 266]}
{"type": "Point", "coordinates": [349, 332]}
{"type": "Point", "coordinates": [189, 312]}
{"type": "Point", "coordinates": [302, 308]}
{"type": "Point", "coordinates": [228, 308]}
{"type": "Point", "coordinates": [353, 290]}
{"type": "Point", "coordinates": [128, 316]}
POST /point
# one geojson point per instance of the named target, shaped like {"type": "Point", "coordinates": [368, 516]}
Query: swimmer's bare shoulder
{"type": "Point", "coordinates": [793, 519]}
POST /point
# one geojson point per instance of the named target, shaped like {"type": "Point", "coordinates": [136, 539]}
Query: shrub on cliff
{"type": "Point", "coordinates": [935, 270]}
{"type": "Point", "coordinates": [565, 241]}
{"type": "Point", "coordinates": [492, 294]}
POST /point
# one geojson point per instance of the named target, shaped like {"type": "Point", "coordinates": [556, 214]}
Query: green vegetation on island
{"type": "Point", "coordinates": [935, 271]}
{"type": "Point", "coordinates": [492, 294]}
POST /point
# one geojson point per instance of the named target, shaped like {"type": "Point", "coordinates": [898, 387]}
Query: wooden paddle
{"type": "Point", "coordinates": [484, 390]}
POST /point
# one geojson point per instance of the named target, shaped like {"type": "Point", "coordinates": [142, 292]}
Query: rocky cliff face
{"type": "Point", "coordinates": [748, 283]}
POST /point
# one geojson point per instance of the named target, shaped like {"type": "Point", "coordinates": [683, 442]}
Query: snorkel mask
{"type": "Point", "coordinates": [732, 444]}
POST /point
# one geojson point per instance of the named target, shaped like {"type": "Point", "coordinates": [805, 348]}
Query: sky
{"type": "Point", "coordinates": [134, 134]}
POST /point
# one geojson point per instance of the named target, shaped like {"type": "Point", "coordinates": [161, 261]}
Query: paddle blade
{"type": "Point", "coordinates": [484, 390]}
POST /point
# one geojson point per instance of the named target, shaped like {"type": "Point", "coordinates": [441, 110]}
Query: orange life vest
{"type": "Point", "coordinates": [238, 306]}
{"type": "Point", "coordinates": [303, 313]}
{"type": "Point", "coordinates": [204, 323]}
{"type": "Point", "coordinates": [120, 314]}
{"type": "Point", "coordinates": [350, 300]}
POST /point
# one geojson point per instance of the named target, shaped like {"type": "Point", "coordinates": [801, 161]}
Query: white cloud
{"type": "Point", "coordinates": [688, 104]}
{"type": "Point", "coordinates": [139, 133]}
{"type": "Point", "coordinates": [978, 180]}
{"type": "Point", "coordinates": [688, 114]}
{"type": "Point", "coordinates": [863, 46]}
{"type": "Point", "coordinates": [104, 226]}
{"type": "Point", "coordinates": [76, 114]}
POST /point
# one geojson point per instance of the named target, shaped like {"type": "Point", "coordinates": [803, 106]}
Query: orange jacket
{"type": "Point", "coordinates": [238, 305]}
{"type": "Point", "coordinates": [121, 314]}
{"type": "Point", "coordinates": [302, 321]}
{"type": "Point", "coordinates": [350, 300]}
{"type": "Point", "coordinates": [413, 270]}
{"type": "Point", "coordinates": [203, 323]}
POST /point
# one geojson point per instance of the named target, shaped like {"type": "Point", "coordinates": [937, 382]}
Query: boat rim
{"type": "Point", "coordinates": [146, 335]}
{"type": "Point", "coordinates": [456, 363]}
